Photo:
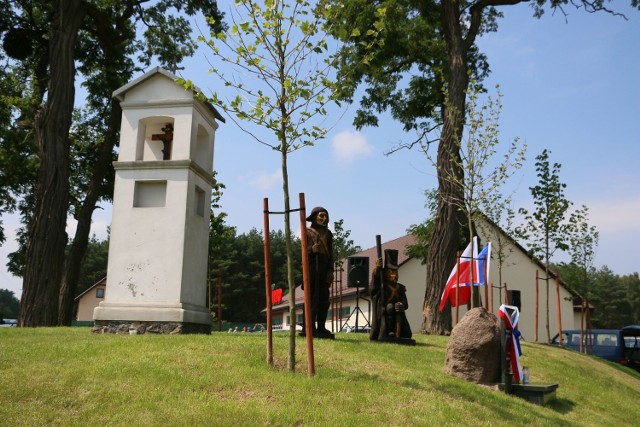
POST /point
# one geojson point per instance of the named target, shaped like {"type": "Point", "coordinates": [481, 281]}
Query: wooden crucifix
{"type": "Point", "coordinates": [167, 139]}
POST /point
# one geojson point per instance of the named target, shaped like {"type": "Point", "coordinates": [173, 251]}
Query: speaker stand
{"type": "Point", "coordinates": [356, 311]}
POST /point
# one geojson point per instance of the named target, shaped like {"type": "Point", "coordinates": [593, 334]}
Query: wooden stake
{"type": "Point", "coordinates": [267, 281]}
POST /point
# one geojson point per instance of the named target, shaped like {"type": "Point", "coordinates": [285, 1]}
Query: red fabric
{"type": "Point", "coordinates": [276, 296]}
{"type": "Point", "coordinates": [464, 293]}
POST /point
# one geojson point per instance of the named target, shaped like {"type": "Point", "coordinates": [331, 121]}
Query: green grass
{"type": "Point", "coordinates": [68, 376]}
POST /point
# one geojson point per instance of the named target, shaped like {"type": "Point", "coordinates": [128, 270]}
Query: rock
{"type": "Point", "coordinates": [473, 353]}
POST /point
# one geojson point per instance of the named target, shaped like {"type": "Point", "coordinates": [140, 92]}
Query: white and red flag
{"type": "Point", "coordinates": [473, 272]}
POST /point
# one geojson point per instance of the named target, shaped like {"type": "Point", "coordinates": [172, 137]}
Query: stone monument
{"type": "Point", "coordinates": [473, 352]}
{"type": "Point", "coordinates": [157, 268]}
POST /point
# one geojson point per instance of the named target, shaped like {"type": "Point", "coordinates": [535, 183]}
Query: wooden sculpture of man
{"type": "Point", "coordinates": [389, 302]}
{"type": "Point", "coordinates": [320, 253]}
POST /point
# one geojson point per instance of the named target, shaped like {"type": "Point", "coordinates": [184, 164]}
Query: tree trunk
{"type": "Point", "coordinates": [47, 236]}
{"type": "Point", "coordinates": [73, 261]}
{"type": "Point", "coordinates": [442, 248]}
{"type": "Point", "coordinates": [289, 247]}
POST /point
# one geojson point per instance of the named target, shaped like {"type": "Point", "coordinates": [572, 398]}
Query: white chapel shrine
{"type": "Point", "coordinates": [157, 268]}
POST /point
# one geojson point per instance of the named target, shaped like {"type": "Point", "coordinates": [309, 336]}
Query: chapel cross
{"type": "Point", "coordinates": [166, 138]}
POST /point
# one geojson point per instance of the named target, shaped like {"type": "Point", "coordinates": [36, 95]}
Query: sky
{"type": "Point", "coordinates": [569, 84]}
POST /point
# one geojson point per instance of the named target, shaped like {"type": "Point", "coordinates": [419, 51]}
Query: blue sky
{"type": "Point", "coordinates": [571, 86]}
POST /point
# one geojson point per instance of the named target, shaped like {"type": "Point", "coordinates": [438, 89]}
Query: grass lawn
{"type": "Point", "coordinates": [68, 376]}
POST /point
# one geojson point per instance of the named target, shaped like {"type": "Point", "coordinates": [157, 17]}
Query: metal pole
{"type": "Point", "coordinates": [307, 289]}
{"type": "Point", "coordinates": [486, 285]}
{"type": "Point", "coordinates": [457, 285]}
{"type": "Point", "coordinates": [267, 281]}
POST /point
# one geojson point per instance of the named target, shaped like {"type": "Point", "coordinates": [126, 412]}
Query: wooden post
{"type": "Point", "coordinates": [559, 308]}
{"type": "Point", "coordinates": [535, 327]}
{"type": "Point", "coordinates": [491, 297]}
{"type": "Point", "coordinates": [506, 294]}
{"type": "Point", "coordinates": [332, 297]}
{"type": "Point", "coordinates": [311, 370]}
{"type": "Point", "coordinates": [267, 281]}
{"type": "Point", "coordinates": [581, 325]}
{"type": "Point", "coordinates": [209, 284]}
{"type": "Point", "coordinates": [219, 300]}
{"type": "Point", "coordinates": [589, 334]}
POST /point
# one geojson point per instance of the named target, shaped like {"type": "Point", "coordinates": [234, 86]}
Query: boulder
{"type": "Point", "coordinates": [473, 353]}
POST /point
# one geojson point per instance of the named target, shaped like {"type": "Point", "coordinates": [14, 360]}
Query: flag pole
{"type": "Point", "coordinates": [486, 285]}
{"type": "Point", "coordinates": [457, 285]}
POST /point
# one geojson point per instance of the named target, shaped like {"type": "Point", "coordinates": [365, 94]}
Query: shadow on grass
{"type": "Point", "coordinates": [562, 406]}
{"type": "Point", "coordinates": [502, 409]}
{"type": "Point", "coordinates": [344, 338]}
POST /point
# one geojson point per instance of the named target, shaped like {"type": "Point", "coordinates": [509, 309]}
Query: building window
{"type": "Point", "coordinates": [100, 293]}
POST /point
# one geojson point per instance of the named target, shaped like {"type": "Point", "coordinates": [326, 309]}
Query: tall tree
{"type": "Point", "coordinates": [583, 240]}
{"type": "Point", "coordinates": [282, 84]}
{"type": "Point", "coordinates": [97, 36]}
{"type": "Point", "coordinates": [47, 236]}
{"type": "Point", "coordinates": [482, 176]}
{"type": "Point", "coordinates": [545, 228]}
{"type": "Point", "coordinates": [426, 53]}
